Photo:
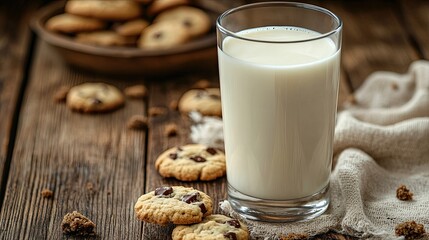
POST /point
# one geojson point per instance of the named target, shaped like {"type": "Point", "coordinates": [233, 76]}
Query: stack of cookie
{"type": "Point", "coordinates": [191, 210]}
{"type": "Point", "coordinates": [147, 24]}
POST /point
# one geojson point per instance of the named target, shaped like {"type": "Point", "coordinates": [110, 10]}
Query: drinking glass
{"type": "Point", "coordinates": [279, 68]}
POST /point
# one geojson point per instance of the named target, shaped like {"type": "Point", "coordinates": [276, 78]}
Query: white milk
{"type": "Point", "coordinates": [279, 104]}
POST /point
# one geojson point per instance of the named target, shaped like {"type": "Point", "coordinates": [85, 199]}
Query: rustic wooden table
{"type": "Point", "coordinates": [45, 145]}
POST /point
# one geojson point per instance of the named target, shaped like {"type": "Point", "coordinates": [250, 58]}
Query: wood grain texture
{"type": "Point", "coordinates": [67, 152]}
{"type": "Point", "coordinates": [373, 38]}
{"type": "Point", "coordinates": [416, 20]}
{"type": "Point", "coordinates": [15, 37]}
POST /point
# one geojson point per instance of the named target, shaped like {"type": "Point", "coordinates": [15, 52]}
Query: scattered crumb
{"type": "Point", "coordinates": [170, 130]}
{"type": "Point", "coordinates": [203, 83]}
{"type": "Point", "coordinates": [156, 111]}
{"type": "Point", "coordinates": [410, 230]}
{"type": "Point", "coordinates": [90, 187]}
{"type": "Point", "coordinates": [61, 94]}
{"type": "Point", "coordinates": [174, 105]}
{"type": "Point", "coordinates": [137, 122]}
{"type": "Point", "coordinates": [47, 193]}
{"type": "Point", "coordinates": [295, 236]}
{"type": "Point", "coordinates": [403, 193]}
{"type": "Point", "coordinates": [77, 224]}
{"type": "Point", "coordinates": [395, 86]}
{"type": "Point", "coordinates": [352, 99]}
{"type": "Point", "coordinates": [108, 193]}
{"type": "Point", "coordinates": [136, 91]}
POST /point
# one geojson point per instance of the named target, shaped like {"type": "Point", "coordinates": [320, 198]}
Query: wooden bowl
{"type": "Point", "coordinates": [195, 55]}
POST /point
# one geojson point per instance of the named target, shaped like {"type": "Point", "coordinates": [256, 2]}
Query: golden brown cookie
{"type": "Point", "coordinates": [213, 227]}
{"type": "Point", "coordinates": [206, 101]}
{"type": "Point", "coordinates": [162, 5]}
{"type": "Point", "coordinates": [104, 38]}
{"type": "Point", "coordinates": [191, 163]}
{"type": "Point", "coordinates": [195, 20]}
{"type": "Point", "coordinates": [177, 204]}
{"type": "Point", "coordinates": [94, 97]}
{"type": "Point", "coordinates": [102, 9]}
{"type": "Point", "coordinates": [163, 35]}
{"type": "Point", "coordinates": [68, 23]}
{"type": "Point", "coordinates": [132, 28]}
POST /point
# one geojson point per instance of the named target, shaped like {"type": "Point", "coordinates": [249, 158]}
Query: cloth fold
{"type": "Point", "coordinates": [381, 141]}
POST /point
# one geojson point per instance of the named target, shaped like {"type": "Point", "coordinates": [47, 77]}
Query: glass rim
{"type": "Point", "coordinates": [290, 4]}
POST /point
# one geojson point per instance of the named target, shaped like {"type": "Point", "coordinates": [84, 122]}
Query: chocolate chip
{"type": "Point", "coordinates": [187, 23]}
{"type": "Point", "coordinates": [234, 223]}
{"type": "Point", "coordinates": [212, 151]}
{"type": "Point", "coordinates": [230, 235]}
{"type": "Point", "coordinates": [190, 198]}
{"type": "Point", "coordinates": [173, 156]}
{"type": "Point", "coordinates": [202, 207]}
{"type": "Point", "coordinates": [96, 101]}
{"type": "Point", "coordinates": [163, 191]}
{"type": "Point", "coordinates": [179, 149]}
{"type": "Point", "coordinates": [198, 159]}
{"type": "Point", "coordinates": [158, 35]}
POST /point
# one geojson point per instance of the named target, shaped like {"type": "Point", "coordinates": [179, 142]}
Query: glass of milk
{"type": "Point", "coordinates": [279, 67]}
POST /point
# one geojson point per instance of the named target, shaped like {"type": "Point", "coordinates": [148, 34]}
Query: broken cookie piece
{"type": "Point", "coordinates": [410, 230]}
{"type": "Point", "coordinates": [77, 224]}
{"type": "Point", "coordinates": [46, 193]}
{"type": "Point", "coordinates": [404, 194]}
{"type": "Point", "coordinates": [136, 91]}
{"type": "Point", "coordinates": [137, 122]}
{"type": "Point", "coordinates": [170, 130]}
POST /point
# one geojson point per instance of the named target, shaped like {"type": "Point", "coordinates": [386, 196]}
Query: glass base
{"type": "Point", "coordinates": [279, 211]}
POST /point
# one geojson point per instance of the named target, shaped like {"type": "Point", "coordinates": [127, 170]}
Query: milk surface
{"type": "Point", "coordinates": [279, 105]}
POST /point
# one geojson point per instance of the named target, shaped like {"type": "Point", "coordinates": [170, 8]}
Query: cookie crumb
{"type": "Point", "coordinates": [174, 105]}
{"type": "Point", "coordinates": [137, 122]}
{"type": "Point", "coordinates": [157, 111]}
{"type": "Point", "coordinates": [90, 187]}
{"type": "Point", "coordinates": [295, 236]}
{"type": "Point", "coordinates": [170, 130]}
{"type": "Point", "coordinates": [203, 83]}
{"type": "Point", "coordinates": [136, 91]}
{"type": "Point", "coordinates": [77, 224]}
{"type": "Point", "coordinates": [395, 86]}
{"type": "Point", "coordinates": [47, 193]}
{"type": "Point", "coordinates": [403, 193]}
{"type": "Point", "coordinates": [410, 230]}
{"type": "Point", "coordinates": [60, 95]}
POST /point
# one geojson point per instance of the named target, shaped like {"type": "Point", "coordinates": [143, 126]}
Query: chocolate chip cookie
{"type": "Point", "coordinates": [191, 163]}
{"type": "Point", "coordinates": [177, 205]}
{"type": "Point", "coordinates": [206, 101]}
{"type": "Point", "coordinates": [163, 35]}
{"type": "Point", "coordinates": [68, 23]}
{"type": "Point", "coordinates": [94, 97]}
{"type": "Point", "coordinates": [195, 20]}
{"type": "Point", "coordinates": [162, 5]}
{"type": "Point", "coordinates": [132, 28]}
{"type": "Point", "coordinates": [105, 38]}
{"type": "Point", "coordinates": [107, 10]}
{"type": "Point", "coordinates": [213, 227]}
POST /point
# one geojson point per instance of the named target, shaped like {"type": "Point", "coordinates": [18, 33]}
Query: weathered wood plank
{"type": "Point", "coordinates": [416, 20]}
{"type": "Point", "coordinates": [162, 93]}
{"type": "Point", "coordinates": [15, 37]}
{"type": "Point", "coordinates": [68, 152]}
{"type": "Point", "coordinates": [373, 38]}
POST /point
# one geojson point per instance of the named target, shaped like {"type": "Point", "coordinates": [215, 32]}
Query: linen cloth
{"type": "Point", "coordinates": [381, 141]}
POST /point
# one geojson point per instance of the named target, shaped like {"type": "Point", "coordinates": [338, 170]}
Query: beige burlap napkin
{"type": "Point", "coordinates": [381, 142]}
